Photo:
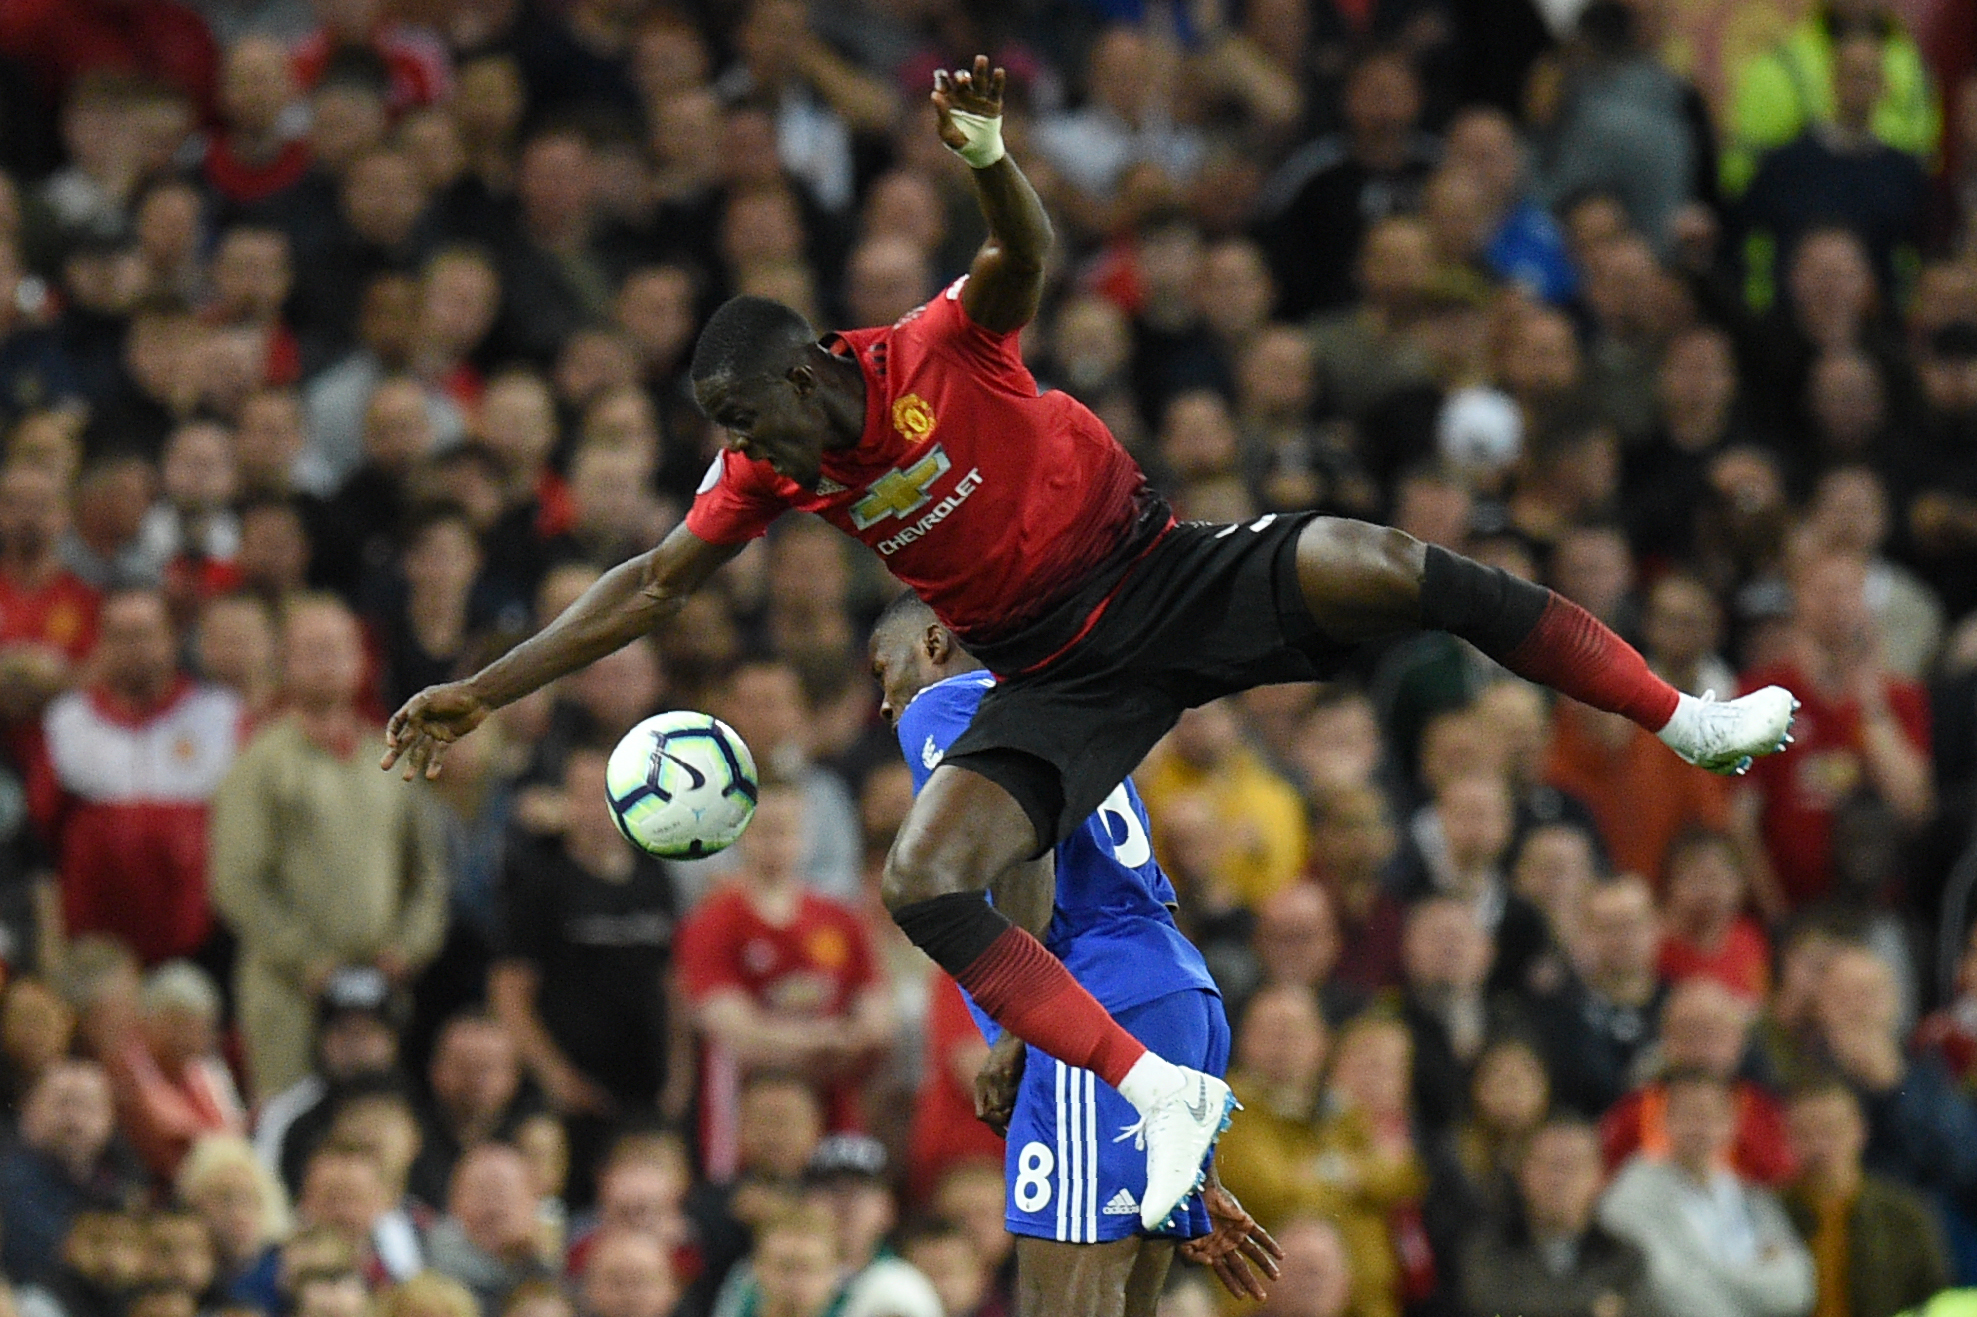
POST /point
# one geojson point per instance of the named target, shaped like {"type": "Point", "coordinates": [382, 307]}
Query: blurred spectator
{"type": "Point", "coordinates": [334, 1291]}
{"type": "Point", "coordinates": [1508, 1100]}
{"type": "Point", "coordinates": [354, 876]}
{"type": "Point", "coordinates": [945, 1131]}
{"type": "Point", "coordinates": [627, 1276]}
{"type": "Point", "coordinates": [1949, 1034]}
{"type": "Point", "coordinates": [356, 1039]}
{"type": "Point", "coordinates": [427, 1294]}
{"type": "Point", "coordinates": [1315, 1278]}
{"type": "Point", "coordinates": [1876, 1247]}
{"type": "Point", "coordinates": [1255, 814]}
{"type": "Point", "coordinates": [1714, 1243]}
{"type": "Point", "coordinates": [1549, 1257]}
{"type": "Point", "coordinates": [1705, 933]}
{"type": "Point", "coordinates": [475, 1081]}
{"type": "Point", "coordinates": [245, 1211]}
{"type": "Point", "coordinates": [820, 99]}
{"type": "Point", "coordinates": [131, 762]}
{"type": "Point", "coordinates": [64, 1164]}
{"type": "Point", "coordinates": [161, 38]}
{"type": "Point", "coordinates": [1317, 207]}
{"type": "Point", "coordinates": [581, 976]}
{"type": "Point", "coordinates": [796, 1265]}
{"type": "Point", "coordinates": [1849, 512]}
{"type": "Point", "coordinates": [1354, 846]}
{"type": "Point", "coordinates": [1703, 1028]}
{"type": "Point", "coordinates": [847, 1177]}
{"type": "Point", "coordinates": [1781, 90]}
{"type": "Point", "coordinates": [37, 1029]}
{"type": "Point", "coordinates": [170, 1083]}
{"type": "Point", "coordinates": [487, 1240]}
{"type": "Point", "coordinates": [1619, 125]}
{"type": "Point", "coordinates": [1919, 1125]}
{"type": "Point", "coordinates": [765, 702]}
{"type": "Point", "coordinates": [1840, 172]}
{"type": "Point", "coordinates": [777, 977]}
{"type": "Point", "coordinates": [1862, 730]}
{"type": "Point", "coordinates": [343, 1190]}
{"type": "Point", "coordinates": [417, 62]}
{"type": "Point", "coordinates": [944, 1253]}
{"type": "Point", "coordinates": [1126, 124]}
{"type": "Point", "coordinates": [1446, 955]}
{"type": "Point", "coordinates": [1599, 1024]}
{"type": "Point", "coordinates": [47, 613]}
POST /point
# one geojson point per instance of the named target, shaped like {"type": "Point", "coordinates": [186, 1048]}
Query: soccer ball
{"type": "Point", "coordinates": [681, 785]}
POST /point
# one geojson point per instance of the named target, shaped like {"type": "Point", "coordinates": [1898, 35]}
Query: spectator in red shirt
{"type": "Point", "coordinates": [1704, 931]}
{"type": "Point", "coordinates": [253, 158]}
{"type": "Point", "coordinates": [1860, 730]}
{"type": "Point", "coordinates": [171, 1085]}
{"type": "Point", "coordinates": [159, 38]}
{"type": "Point", "coordinates": [778, 977]}
{"type": "Point", "coordinates": [123, 782]}
{"type": "Point", "coordinates": [421, 73]}
{"type": "Point", "coordinates": [1703, 1027]}
{"type": "Point", "coordinates": [945, 1130]}
{"type": "Point", "coordinates": [1950, 1034]}
{"type": "Point", "coordinates": [47, 613]}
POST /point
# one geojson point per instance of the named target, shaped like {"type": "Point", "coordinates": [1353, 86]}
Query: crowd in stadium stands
{"type": "Point", "coordinates": [342, 344]}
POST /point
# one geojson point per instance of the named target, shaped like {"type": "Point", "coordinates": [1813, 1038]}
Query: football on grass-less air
{"type": "Point", "coordinates": [681, 785]}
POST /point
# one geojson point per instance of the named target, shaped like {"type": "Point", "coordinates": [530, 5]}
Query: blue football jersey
{"type": "Point", "coordinates": [1112, 927]}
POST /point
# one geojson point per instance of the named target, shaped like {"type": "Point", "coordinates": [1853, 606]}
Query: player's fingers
{"type": "Point", "coordinates": [1257, 1254]}
{"type": "Point", "coordinates": [997, 81]}
{"type": "Point", "coordinates": [1261, 1238]}
{"type": "Point", "coordinates": [981, 73]}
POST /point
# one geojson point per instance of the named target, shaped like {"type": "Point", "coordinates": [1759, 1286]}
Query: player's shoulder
{"type": "Point", "coordinates": [946, 699]}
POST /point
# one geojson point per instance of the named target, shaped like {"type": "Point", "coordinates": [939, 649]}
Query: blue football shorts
{"type": "Point", "coordinates": [1075, 1169]}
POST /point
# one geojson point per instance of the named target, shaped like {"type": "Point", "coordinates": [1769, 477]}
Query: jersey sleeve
{"type": "Point", "coordinates": [733, 504]}
{"type": "Point", "coordinates": [932, 722]}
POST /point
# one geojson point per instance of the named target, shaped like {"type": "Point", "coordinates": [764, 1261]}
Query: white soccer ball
{"type": "Point", "coordinates": [681, 785]}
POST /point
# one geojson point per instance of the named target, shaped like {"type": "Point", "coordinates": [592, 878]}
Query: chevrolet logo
{"type": "Point", "coordinates": [897, 493]}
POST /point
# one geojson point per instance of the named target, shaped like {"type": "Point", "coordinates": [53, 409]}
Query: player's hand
{"type": "Point", "coordinates": [436, 717]}
{"type": "Point", "coordinates": [1235, 1248]}
{"type": "Point", "coordinates": [976, 92]}
{"type": "Point", "coordinates": [997, 1081]}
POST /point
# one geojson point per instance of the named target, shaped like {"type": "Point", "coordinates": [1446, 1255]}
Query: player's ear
{"type": "Point", "coordinates": [802, 379]}
{"type": "Point", "coordinates": [938, 643]}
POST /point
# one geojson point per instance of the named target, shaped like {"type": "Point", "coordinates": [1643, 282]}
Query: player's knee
{"type": "Point", "coordinates": [1360, 580]}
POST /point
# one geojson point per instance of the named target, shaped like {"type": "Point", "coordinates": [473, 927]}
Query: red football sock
{"type": "Point", "coordinates": [1575, 654]}
{"type": "Point", "coordinates": [1030, 993]}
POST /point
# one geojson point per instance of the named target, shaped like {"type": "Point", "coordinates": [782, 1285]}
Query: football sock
{"type": "Point", "coordinates": [1543, 636]}
{"type": "Point", "coordinates": [1021, 985]}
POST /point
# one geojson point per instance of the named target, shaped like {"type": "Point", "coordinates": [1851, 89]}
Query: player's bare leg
{"type": "Point", "coordinates": [1362, 582]}
{"type": "Point", "coordinates": [1117, 1279]}
{"type": "Point", "coordinates": [961, 834]}
{"type": "Point", "coordinates": [1149, 1276]}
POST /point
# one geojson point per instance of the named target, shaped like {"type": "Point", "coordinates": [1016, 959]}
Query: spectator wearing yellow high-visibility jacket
{"type": "Point", "coordinates": [1778, 92]}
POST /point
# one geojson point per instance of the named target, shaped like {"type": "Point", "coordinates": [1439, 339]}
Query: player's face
{"type": "Point", "coordinates": [778, 421]}
{"type": "Point", "coordinates": [900, 673]}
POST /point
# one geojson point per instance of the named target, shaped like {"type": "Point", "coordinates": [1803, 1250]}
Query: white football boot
{"type": "Point", "coordinates": [1723, 736]}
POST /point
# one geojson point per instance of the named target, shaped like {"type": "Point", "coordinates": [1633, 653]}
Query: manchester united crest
{"type": "Point", "coordinates": [912, 417]}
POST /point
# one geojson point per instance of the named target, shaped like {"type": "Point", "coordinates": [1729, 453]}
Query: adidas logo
{"type": "Point", "coordinates": [931, 754]}
{"type": "Point", "coordinates": [1122, 1204]}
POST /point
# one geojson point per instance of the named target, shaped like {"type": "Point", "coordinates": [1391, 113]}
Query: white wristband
{"type": "Point", "coordinates": [984, 134]}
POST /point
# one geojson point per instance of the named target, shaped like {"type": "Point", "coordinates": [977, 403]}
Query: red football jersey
{"type": "Point", "coordinates": [994, 503]}
{"type": "Point", "coordinates": [1804, 788]}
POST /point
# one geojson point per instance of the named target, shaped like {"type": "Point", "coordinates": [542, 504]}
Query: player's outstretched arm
{"type": "Point", "coordinates": [623, 604]}
{"type": "Point", "coordinates": [1005, 284]}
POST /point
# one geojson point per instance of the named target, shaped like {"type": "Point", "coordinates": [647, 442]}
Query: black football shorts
{"type": "Point", "coordinates": [1210, 610]}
